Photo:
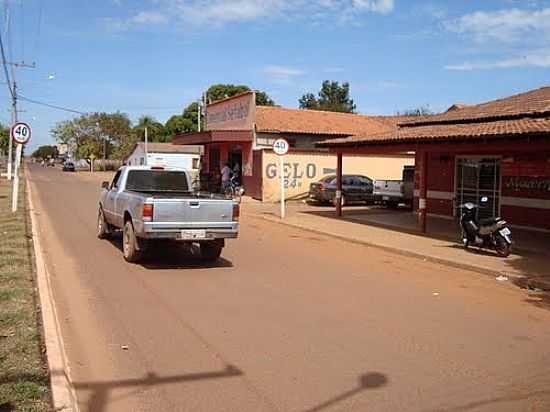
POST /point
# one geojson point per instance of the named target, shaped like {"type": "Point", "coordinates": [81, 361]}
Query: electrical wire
{"type": "Point", "coordinates": [6, 73]}
{"type": "Point", "coordinates": [51, 106]}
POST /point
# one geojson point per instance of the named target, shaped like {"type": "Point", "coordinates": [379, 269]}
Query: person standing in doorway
{"type": "Point", "coordinates": [226, 177]}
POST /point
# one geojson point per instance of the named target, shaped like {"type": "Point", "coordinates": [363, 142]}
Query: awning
{"type": "Point", "coordinates": [213, 136]}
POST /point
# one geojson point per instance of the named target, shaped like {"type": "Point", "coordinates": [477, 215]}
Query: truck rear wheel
{"type": "Point", "coordinates": [129, 243]}
{"type": "Point", "coordinates": [211, 251]}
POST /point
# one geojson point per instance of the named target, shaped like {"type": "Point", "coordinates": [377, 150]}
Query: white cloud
{"type": "Point", "coordinates": [503, 25]}
{"type": "Point", "coordinates": [220, 12]}
{"type": "Point", "coordinates": [282, 74]}
{"type": "Point", "coordinates": [515, 38]}
{"type": "Point", "coordinates": [532, 59]}
{"type": "Point", "coordinates": [282, 71]}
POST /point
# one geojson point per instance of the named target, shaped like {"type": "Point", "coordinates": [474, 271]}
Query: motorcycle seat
{"type": "Point", "coordinates": [489, 221]}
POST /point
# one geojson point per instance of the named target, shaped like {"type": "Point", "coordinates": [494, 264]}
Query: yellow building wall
{"type": "Point", "coordinates": [301, 169]}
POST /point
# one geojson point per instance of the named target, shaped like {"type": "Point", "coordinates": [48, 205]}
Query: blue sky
{"type": "Point", "coordinates": [155, 56]}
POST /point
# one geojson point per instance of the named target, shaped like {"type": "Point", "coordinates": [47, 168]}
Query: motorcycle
{"type": "Point", "coordinates": [492, 233]}
{"type": "Point", "coordinates": [234, 189]}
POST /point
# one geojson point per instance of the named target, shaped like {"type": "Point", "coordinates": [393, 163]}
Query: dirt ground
{"type": "Point", "coordinates": [285, 321]}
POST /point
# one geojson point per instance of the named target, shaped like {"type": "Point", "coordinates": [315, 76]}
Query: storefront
{"type": "Point", "coordinates": [241, 134]}
{"type": "Point", "coordinates": [499, 150]}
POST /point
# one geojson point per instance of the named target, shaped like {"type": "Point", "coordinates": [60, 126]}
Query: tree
{"type": "Point", "coordinates": [223, 91]}
{"type": "Point", "coordinates": [419, 111]}
{"type": "Point", "coordinates": [155, 129]}
{"type": "Point", "coordinates": [45, 152]}
{"type": "Point", "coordinates": [178, 124]}
{"type": "Point", "coordinates": [332, 97]}
{"type": "Point", "coordinates": [96, 134]}
{"type": "Point", "coordinates": [4, 139]}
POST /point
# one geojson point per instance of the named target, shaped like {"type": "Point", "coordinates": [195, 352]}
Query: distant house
{"type": "Point", "coordinates": [166, 155]}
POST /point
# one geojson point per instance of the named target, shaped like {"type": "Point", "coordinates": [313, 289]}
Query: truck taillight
{"type": "Point", "coordinates": [147, 213]}
{"type": "Point", "coordinates": [236, 212]}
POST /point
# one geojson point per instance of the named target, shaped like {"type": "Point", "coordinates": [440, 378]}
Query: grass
{"type": "Point", "coordinates": [24, 383]}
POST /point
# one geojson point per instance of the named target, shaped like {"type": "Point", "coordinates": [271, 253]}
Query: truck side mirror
{"type": "Point", "coordinates": [105, 185]}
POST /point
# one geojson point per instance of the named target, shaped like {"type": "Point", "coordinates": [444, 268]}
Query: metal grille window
{"type": "Point", "coordinates": [477, 178]}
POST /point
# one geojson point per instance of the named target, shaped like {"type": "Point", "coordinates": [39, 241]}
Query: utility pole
{"type": "Point", "coordinates": [146, 152]}
{"type": "Point", "coordinates": [14, 119]}
{"type": "Point", "coordinates": [199, 108]}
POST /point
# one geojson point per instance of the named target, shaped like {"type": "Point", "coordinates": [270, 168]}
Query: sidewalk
{"type": "Point", "coordinates": [528, 266]}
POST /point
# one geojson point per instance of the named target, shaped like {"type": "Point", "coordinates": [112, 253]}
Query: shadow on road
{"type": "Point", "coordinates": [101, 390]}
{"type": "Point", "coordinates": [372, 380]}
{"type": "Point", "coordinates": [173, 255]}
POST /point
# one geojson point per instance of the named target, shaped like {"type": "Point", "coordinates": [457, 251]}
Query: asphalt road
{"type": "Point", "coordinates": [286, 321]}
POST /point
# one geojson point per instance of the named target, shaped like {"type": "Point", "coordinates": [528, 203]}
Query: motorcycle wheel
{"type": "Point", "coordinates": [502, 247]}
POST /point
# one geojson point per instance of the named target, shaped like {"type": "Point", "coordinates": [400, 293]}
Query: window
{"type": "Point", "coordinates": [195, 164]}
{"type": "Point", "coordinates": [141, 161]}
{"type": "Point", "coordinates": [157, 181]}
{"type": "Point", "coordinates": [114, 183]}
{"type": "Point", "coordinates": [364, 181]}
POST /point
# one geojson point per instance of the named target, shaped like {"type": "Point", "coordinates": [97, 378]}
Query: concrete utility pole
{"type": "Point", "coordinates": [146, 152]}
{"type": "Point", "coordinates": [199, 107]}
{"type": "Point", "coordinates": [14, 112]}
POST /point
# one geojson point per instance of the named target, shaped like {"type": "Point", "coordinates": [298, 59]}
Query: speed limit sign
{"type": "Point", "coordinates": [21, 133]}
{"type": "Point", "coordinates": [280, 147]}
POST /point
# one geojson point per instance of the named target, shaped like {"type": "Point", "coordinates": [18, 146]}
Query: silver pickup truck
{"type": "Point", "coordinates": [154, 203]}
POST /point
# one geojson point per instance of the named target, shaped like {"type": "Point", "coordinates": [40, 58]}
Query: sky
{"type": "Point", "coordinates": [154, 57]}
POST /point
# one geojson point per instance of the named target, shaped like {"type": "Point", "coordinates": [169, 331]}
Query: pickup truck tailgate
{"type": "Point", "coordinates": [199, 213]}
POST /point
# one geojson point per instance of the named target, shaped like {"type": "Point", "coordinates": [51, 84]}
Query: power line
{"type": "Point", "coordinates": [51, 106]}
{"type": "Point", "coordinates": [4, 64]}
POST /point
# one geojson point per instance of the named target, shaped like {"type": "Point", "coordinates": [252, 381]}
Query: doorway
{"type": "Point", "coordinates": [478, 177]}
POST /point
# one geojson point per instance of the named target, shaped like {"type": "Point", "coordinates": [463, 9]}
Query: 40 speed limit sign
{"type": "Point", "coordinates": [21, 133]}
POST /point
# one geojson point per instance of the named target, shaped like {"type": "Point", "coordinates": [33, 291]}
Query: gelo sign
{"type": "Point", "coordinates": [293, 173]}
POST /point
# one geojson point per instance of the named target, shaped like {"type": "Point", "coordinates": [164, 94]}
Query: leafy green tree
{"type": "Point", "coordinates": [4, 139]}
{"type": "Point", "coordinates": [178, 124]}
{"type": "Point", "coordinates": [45, 152]}
{"type": "Point", "coordinates": [96, 134]}
{"type": "Point", "coordinates": [223, 91]}
{"type": "Point", "coordinates": [332, 97]}
{"type": "Point", "coordinates": [155, 129]}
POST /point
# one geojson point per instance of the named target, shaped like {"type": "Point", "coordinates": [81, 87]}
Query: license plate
{"type": "Point", "coordinates": [505, 232]}
{"type": "Point", "coordinates": [193, 234]}
{"type": "Point", "coordinates": [385, 198]}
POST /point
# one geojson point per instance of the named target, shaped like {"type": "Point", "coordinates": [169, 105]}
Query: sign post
{"type": "Point", "coordinates": [280, 147]}
{"type": "Point", "coordinates": [20, 134]}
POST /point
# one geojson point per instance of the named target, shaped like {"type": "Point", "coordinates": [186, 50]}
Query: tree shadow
{"type": "Point", "coordinates": [500, 399]}
{"type": "Point", "coordinates": [7, 407]}
{"type": "Point", "coordinates": [371, 380]}
{"type": "Point", "coordinates": [173, 255]}
{"type": "Point", "coordinates": [101, 391]}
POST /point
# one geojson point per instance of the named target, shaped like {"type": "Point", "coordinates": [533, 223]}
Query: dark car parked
{"type": "Point", "coordinates": [68, 167]}
{"type": "Point", "coordinates": [355, 188]}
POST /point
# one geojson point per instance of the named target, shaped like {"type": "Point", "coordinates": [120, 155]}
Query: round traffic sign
{"type": "Point", "coordinates": [280, 147]}
{"type": "Point", "coordinates": [21, 133]}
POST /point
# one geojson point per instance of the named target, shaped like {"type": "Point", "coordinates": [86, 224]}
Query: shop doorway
{"type": "Point", "coordinates": [235, 160]}
{"type": "Point", "coordinates": [478, 177]}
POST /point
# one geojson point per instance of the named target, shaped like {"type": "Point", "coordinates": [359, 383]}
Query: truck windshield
{"type": "Point", "coordinates": [157, 181]}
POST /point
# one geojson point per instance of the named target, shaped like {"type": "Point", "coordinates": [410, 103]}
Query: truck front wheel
{"type": "Point", "coordinates": [129, 243]}
{"type": "Point", "coordinates": [103, 228]}
{"type": "Point", "coordinates": [211, 251]}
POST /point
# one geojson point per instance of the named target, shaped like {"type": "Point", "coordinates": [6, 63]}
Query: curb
{"type": "Point", "coordinates": [520, 280]}
{"type": "Point", "coordinates": [63, 393]}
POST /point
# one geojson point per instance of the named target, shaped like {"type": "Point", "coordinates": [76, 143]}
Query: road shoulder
{"type": "Point", "coordinates": [63, 394]}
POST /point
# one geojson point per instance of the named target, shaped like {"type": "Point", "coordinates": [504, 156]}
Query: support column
{"type": "Point", "coordinates": [339, 184]}
{"type": "Point", "coordinates": [423, 195]}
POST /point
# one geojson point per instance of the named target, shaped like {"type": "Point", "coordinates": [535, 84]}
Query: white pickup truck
{"type": "Point", "coordinates": [394, 192]}
{"type": "Point", "coordinates": [154, 203]}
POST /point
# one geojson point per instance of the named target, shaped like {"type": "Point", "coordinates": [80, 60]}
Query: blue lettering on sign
{"type": "Point", "coordinates": [293, 173]}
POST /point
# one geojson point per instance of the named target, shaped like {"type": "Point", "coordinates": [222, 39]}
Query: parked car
{"type": "Point", "coordinates": [355, 188]}
{"type": "Point", "coordinates": [154, 203]}
{"type": "Point", "coordinates": [391, 193]}
{"type": "Point", "coordinates": [68, 167]}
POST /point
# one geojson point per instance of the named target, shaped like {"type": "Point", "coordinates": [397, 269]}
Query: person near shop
{"type": "Point", "coordinates": [237, 171]}
{"type": "Point", "coordinates": [226, 177]}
